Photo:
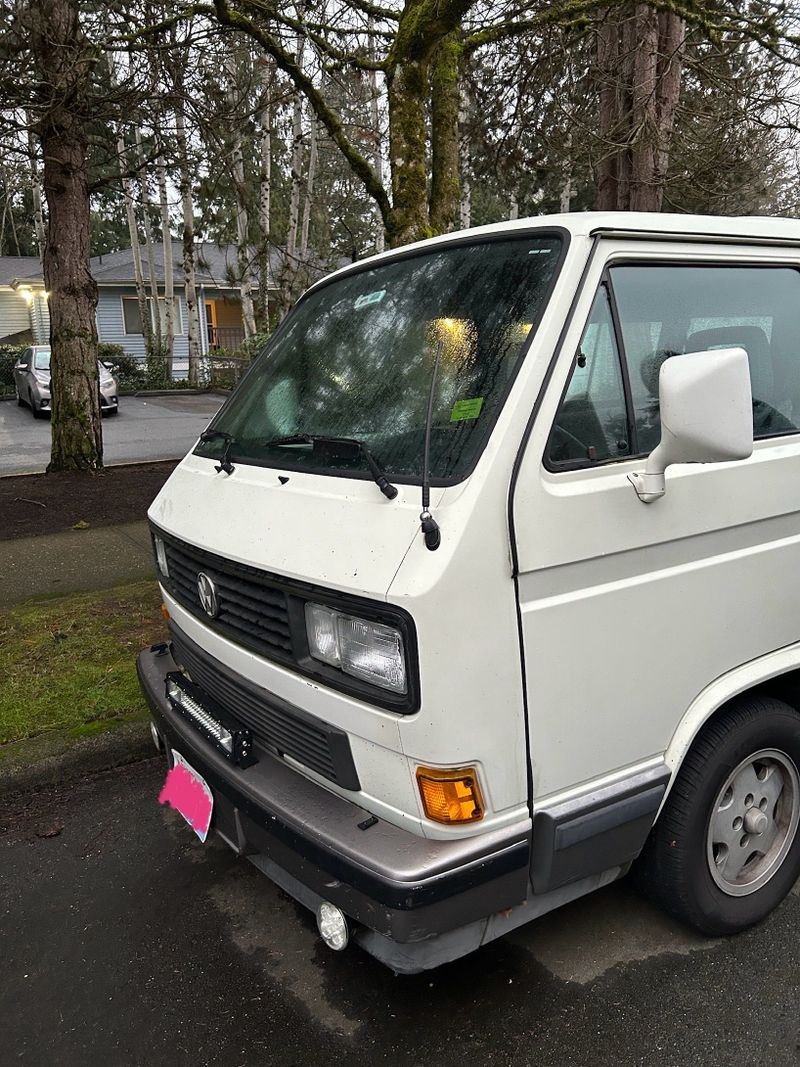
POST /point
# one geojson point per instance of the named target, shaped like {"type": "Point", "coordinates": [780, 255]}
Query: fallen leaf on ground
{"type": "Point", "coordinates": [50, 831]}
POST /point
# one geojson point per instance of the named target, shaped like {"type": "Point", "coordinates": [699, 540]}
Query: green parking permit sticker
{"type": "Point", "coordinates": [369, 298]}
{"type": "Point", "coordinates": [466, 409]}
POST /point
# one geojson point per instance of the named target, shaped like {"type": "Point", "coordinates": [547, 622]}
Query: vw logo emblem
{"type": "Point", "coordinates": [207, 592]}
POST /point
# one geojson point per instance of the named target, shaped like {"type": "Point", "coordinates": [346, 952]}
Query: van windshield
{"type": "Point", "coordinates": [356, 356]}
{"type": "Point", "coordinates": [41, 360]}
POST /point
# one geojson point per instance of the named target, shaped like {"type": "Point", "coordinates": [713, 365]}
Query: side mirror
{"type": "Point", "coordinates": [22, 366]}
{"type": "Point", "coordinates": [706, 415]}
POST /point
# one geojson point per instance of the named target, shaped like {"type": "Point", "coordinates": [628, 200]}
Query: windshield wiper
{"type": "Point", "coordinates": [225, 462]}
{"type": "Point", "coordinates": [377, 472]}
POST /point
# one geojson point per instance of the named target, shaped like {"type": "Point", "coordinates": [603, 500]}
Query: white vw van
{"type": "Point", "coordinates": [484, 585]}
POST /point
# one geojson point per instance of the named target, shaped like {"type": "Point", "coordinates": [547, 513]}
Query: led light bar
{"type": "Point", "coordinates": [235, 742]}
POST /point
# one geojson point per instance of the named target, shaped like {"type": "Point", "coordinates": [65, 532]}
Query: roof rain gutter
{"type": "Point", "coordinates": [667, 235]}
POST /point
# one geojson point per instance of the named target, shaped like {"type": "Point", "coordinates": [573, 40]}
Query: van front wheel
{"type": "Point", "coordinates": [725, 850]}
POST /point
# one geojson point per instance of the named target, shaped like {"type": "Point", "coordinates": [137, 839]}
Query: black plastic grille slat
{"type": "Point", "coordinates": [250, 610]}
{"type": "Point", "coordinates": [271, 725]}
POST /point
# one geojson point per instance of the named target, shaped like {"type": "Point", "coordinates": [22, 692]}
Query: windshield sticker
{"type": "Point", "coordinates": [369, 298]}
{"type": "Point", "coordinates": [466, 409]}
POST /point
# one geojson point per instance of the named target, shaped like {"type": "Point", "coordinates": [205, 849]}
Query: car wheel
{"type": "Point", "coordinates": [725, 850]}
{"type": "Point", "coordinates": [37, 414]}
{"type": "Point", "coordinates": [20, 401]}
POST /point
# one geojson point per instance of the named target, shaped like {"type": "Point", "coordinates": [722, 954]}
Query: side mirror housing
{"type": "Point", "coordinates": [22, 366]}
{"type": "Point", "coordinates": [706, 415]}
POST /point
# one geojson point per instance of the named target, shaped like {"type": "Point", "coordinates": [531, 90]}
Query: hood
{"type": "Point", "coordinates": [338, 532]}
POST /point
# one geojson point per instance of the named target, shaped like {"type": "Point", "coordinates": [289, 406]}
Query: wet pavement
{"type": "Point", "coordinates": [126, 941]}
{"type": "Point", "coordinates": [146, 428]}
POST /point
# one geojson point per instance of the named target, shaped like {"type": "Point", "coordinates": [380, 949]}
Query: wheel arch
{"type": "Point", "coordinates": [776, 674]}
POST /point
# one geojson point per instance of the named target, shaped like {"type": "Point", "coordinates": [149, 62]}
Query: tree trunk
{"type": "Point", "coordinates": [169, 276]}
{"type": "Point", "coordinates": [265, 199]}
{"type": "Point", "coordinates": [242, 244]}
{"type": "Point", "coordinates": [242, 214]}
{"type": "Point", "coordinates": [136, 252]}
{"type": "Point", "coordinates": [62, 57]}
{"type": "Point", "coordinates": [290, 261]}
{"type": "Point", "coordinates": [156, 368]}
{"type": "Point", "coordinates": [445, 198]}
{"type": "Point", "coordinates": [375, 121]}
{"type": "Point", "coordinates": [9, 209]}
{"type": "Point", "coordinates": [309, 193]}
{"type": "Point", "coordinates": [639, 66]}
{"type": "Point", "coordinates": [189, 280]}
{"type": "Point", "coordinates": [465, 207]}
{"type": "Point", "coordinates": [565, 199]}
{"type": "Point", "coordinates": [408, 89]}
{"type": "Point", "coordinates": [36, 192]}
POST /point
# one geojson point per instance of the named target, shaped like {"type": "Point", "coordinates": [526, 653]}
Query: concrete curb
{"type": "Point", "coordinates": [177, 392]}
{"type": "Point", "coordinates": [57, 759]}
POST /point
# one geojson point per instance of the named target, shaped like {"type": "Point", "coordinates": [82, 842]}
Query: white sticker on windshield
{"type": "Point", "coordinates": [369, 298]}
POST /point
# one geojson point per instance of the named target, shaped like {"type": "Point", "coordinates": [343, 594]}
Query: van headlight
{"type": "Point", "coordinates": [161, 556]}
{"type": "Point", "coordinates": [367, 650]}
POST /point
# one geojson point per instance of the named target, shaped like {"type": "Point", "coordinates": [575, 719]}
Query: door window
{"type": "Point", "coordinates": [664, 311]}
{"type": "Point", "coordinates": [591, 425]}
{"type": "Point", "coordinates": [672, 310]}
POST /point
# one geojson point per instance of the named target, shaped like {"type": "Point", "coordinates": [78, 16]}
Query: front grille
{"type": "Point", "coordinates": [252, 610]}
{"type": "Point", "coordinates": [290, 732]}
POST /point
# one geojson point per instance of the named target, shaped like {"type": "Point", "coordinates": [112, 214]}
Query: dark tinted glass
{"type": "Point", "coordinates": [355, 360]}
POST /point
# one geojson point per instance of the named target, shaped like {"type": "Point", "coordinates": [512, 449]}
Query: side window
{"type": "Point", "coordinates": [666, 311]}
{"type": "Point", "coordinates": [591, 424]}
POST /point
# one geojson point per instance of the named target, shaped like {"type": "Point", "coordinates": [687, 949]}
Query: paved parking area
{"type": "Point", "coordinates": [146, 428]}
{"type": "Point", "coordinates": [126, 941]}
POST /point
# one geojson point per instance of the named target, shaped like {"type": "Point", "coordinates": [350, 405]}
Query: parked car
{"type": "Point", "coordinates": [484, 584]}
{"type": "Point", "coordinates": [32, 382]}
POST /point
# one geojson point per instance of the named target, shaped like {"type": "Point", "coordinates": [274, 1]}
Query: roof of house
{"type": "Point", "coordinates": [216, 265]}
{"type": "Point", "coordinates": [24, 269]}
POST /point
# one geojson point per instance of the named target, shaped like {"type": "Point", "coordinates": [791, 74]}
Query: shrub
{"type": "Point", "coordinates": [8, 357]}
{"type": "Point", "coordinates": [128, 370]}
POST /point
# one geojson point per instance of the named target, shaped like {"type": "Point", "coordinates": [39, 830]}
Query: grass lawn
{"type": "Point", "coordinates": [71, 662]}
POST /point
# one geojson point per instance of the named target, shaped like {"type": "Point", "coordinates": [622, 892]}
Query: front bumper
{"type": "Point", "coordinates": [319, 846]}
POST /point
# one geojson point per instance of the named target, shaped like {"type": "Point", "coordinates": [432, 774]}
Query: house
{"type": "Point", "coordinates": [24, 316]}
{"type": "Point", "coordinates": [23, 306]}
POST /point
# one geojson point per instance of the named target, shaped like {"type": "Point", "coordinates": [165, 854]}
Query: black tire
{"type": "Point", "coordinates": [674, 869]}
{"type": "Point", "coordinates": [20, 401]}
{"type": "Point", "coordinates": [37, 412]}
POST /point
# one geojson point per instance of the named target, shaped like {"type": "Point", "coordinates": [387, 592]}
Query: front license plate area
{"type": "Point", "coordinates": [187, 791]}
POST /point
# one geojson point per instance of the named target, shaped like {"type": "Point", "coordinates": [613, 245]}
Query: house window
{"type": "Point", "coordinates": [133, 320]}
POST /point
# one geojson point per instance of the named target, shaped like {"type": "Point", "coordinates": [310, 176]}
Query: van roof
{"type": "Point", "coordinates": [767, 229]}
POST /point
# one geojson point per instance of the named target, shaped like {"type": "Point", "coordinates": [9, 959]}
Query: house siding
{"type": "Point", "coordinates": [15, 316]}
{"type": "Point", "coordinates": [111, 324]}
{"type": "Point", "coordinates": [40, 319]}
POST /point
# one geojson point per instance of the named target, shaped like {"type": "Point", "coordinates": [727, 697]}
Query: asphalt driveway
{"type": "Point", "coordinates": [146, 428]}
{"type": "Point", "coordinates": [125, 941]}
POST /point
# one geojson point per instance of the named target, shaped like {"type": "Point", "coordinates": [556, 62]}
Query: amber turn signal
{"type": "Point", "coordinates": [165, 612]}
{"type": "Point", "coordinates": [450, 796]}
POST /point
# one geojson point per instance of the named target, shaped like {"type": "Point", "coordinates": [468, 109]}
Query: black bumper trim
{"type": "Point", "coordinates": [604, 828]}
{"type": "Point", "coordinates": [313, 834]}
